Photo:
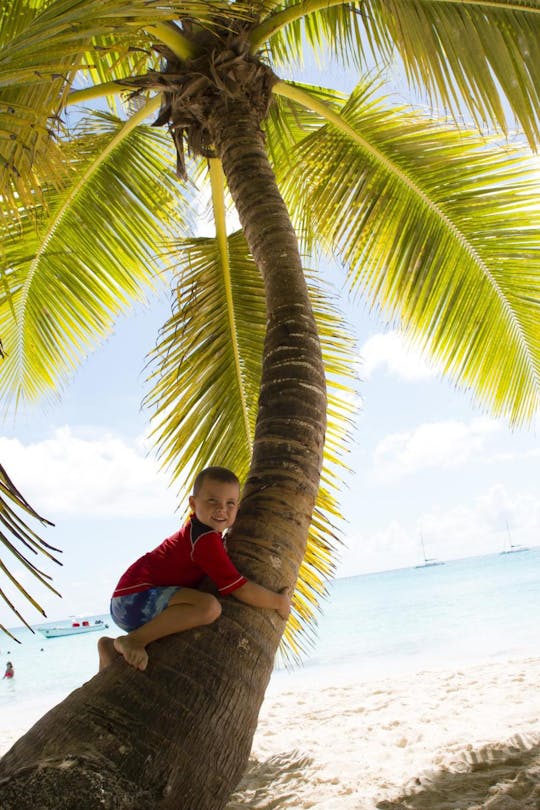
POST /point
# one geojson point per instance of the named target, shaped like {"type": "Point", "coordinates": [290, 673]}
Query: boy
{"type": "Point", "coordinates": [158, 595]}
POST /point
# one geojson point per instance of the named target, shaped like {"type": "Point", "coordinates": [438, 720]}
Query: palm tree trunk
{"type": "Point", "coordinates": [287, 453]}
{"type": "Point", "coordinates": [179, 734]}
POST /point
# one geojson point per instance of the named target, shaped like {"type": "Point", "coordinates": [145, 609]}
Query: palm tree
{"type": "Point", "coordinates": [12, 502]}
{"type": "Point", "coordinates": [435, 222]}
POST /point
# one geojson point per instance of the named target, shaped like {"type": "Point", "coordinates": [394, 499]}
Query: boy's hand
{"type": "Point", "coordinates": [284, 607]}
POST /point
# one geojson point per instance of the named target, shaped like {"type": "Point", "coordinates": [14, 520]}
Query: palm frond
{"type": "Point", "coordinates": [29, 147]}
{"type": "Point", "coordinates": [39, 40]}
{"type": "Point", "coordinates": [49, 39]}
{"type": "Point", "coordinates": [475, 59]}
{"type": "Point", "coordinates": [288, 123]}
{"type": "Point", "coordinates": [328, 29]}
{"type": "Point", "coordinates": [91, 254]}
{"type": "Point", "coordinates": [200, 409]}
{"type": "Point", "coordinates": [442, 229]}
{"type": "Point", "coordinates": [195, 382]}
{"type": "Point", "coordinates": [43, 47]}
{"type": "Point", "coordinates": [15, 533]}
{"type": "Point", "coordinates": [113, 57]}
{"type": "Point", "coordinates": [46, 48]}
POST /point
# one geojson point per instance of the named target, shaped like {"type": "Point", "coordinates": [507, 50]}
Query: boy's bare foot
{"type": "Point", "coordinates": [107, 652]}
{"type": "Point", "coordinates": [135, 655]}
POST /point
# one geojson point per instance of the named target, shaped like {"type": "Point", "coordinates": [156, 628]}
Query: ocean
{"type": "Point", "coordinates": [464, 612]}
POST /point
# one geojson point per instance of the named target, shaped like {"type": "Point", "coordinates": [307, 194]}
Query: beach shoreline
{"type": "Point", "coordinates": [465, 738]}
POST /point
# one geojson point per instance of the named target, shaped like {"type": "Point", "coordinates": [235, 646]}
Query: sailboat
{"type": "Point", "coordinates": [429, 562]}
{"type": "Point", "coordinates": [512, 548]}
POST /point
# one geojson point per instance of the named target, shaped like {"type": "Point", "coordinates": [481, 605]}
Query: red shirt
{"type": "Point", "coordinates": [184, 559]}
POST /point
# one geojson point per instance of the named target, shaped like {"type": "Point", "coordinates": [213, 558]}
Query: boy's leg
{"type": "Point", "coordinates": [187, 608]}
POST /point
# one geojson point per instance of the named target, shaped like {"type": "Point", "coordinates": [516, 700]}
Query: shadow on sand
{"type": "Point", "coordinates": [496, 777]}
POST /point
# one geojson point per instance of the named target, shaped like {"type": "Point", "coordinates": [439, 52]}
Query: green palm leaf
{"type": "Point", "coordinates": [92, 253]}
{"type": "Point", "coordinates": [476, 53]}
{"type": "Point", "coordinates": [329, 29]}
{"type": "Point", "coordinates": [442, 229]}
{"type": "Point", "coordinates": [116, 57]}
{"type": "Point", "coordinates": [15, 533]}
{"type": "Point", "coordinates": [199, 385]}
{"type": "Point", "coordinates": [45, 48]}
{"type": "Point", "coordinates": [41, 39]}
{"type": "Point", "coordinates": [42, 47]}
{"type": "Point", "coordinates": [474, 56]}
{"type": "Point", "coordinates": [28, 150]}
{"type": "Point", "coordinates": [205, 394]}
{"type": "Point", "coordinates": [288, 123]}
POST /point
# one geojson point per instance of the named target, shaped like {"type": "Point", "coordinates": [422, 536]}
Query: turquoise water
{"type": "Point", "coordinates": [463, 612]}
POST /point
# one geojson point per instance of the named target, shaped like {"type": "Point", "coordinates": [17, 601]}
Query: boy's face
{"type": "Point", "coordinates": [216, 504]}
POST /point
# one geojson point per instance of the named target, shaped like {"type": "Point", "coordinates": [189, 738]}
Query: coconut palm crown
{"type": "Point", "coordinates": [114, 115]}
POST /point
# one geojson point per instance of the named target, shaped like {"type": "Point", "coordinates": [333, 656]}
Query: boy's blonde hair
{"type": "Point", "coordinates": [215, 474]}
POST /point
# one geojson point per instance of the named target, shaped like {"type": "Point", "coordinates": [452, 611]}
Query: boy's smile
{"type": "Point", "coordinates": [216, 504]}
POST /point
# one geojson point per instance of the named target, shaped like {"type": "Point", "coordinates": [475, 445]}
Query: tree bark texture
{"type": "Point", "coordinates": [282, 486]}
{"type": "Point", "coordinates": [179, 734]}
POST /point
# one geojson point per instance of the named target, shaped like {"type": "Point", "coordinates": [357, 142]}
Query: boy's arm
{"type": "Point", "coordinates": [259, 596]}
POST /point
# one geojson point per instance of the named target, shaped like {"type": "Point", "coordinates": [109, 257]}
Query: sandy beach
{"type": "Point", "coordinates": [463, 739]}
{"type": "Point", "coordinates": [433, 740]}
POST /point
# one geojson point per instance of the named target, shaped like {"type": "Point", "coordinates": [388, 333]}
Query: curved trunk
{"type": "Point", "coordinates": [283, 482]}
{"type": "Point", "coordinates": [179, 734]}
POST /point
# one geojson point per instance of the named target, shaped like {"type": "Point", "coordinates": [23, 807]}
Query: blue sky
{"type": "Point", "coordinates": [426, 460]}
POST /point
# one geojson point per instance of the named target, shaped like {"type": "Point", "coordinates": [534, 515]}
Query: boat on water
{"type": "Point", "coordinates": [75, 628]}
{"type": "Point", "coordinates": [512, 548]}
{"type": "Point", "coordinates": [429, 562]}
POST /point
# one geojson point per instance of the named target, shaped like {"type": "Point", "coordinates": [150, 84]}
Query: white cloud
{"type": "Point", "coordinates": [391, 546]}
{"type": "Point", "coordinates": [481, 526]}
{"type": "Point", "coordinates": [463, 530]}
{"type": "Point", "coordinates": [104, 475]}
{"type": "Point", "coordinates": [524, 455]}
{"type": "Point", "coordinates": [397, 354]}
{"type": "Point", "coordinates": [435, 444]}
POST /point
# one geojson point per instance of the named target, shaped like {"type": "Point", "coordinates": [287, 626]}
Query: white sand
{"type": "Point", "coordinates": [432, 740]}
{"type": "Point", "coordinates": [447, 740]}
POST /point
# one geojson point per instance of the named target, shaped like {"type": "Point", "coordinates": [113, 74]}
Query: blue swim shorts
{"type": "Point", "coordinates": [135, 609]}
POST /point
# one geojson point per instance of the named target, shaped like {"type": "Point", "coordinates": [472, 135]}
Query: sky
{"type": "Point", "coordinates": [426, 462]}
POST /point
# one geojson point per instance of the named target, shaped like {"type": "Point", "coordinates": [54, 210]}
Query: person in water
{"type": "Point", "coordinates": [157, 595]}
{"type": "Point", "coordinates": [10, 672]}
